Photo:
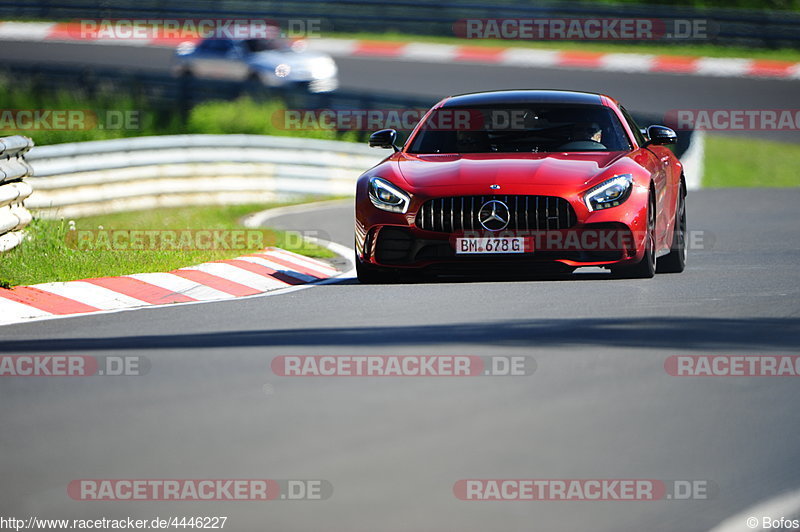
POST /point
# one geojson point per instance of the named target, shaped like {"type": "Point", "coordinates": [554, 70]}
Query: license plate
{"type": "Point", "coordinates": [479, 245]}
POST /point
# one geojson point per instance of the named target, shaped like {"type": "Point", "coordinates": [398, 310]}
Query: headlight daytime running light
{"type": "Point", "coordinates": [388, 197]}
{"type": "Point", "coordinates": [610, 193]}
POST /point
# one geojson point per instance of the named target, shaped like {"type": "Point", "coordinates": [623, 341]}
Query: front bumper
{"type": "Point", "coordinates": [610, 237]}
{"type": "Point", "coordinates": [311, 84]}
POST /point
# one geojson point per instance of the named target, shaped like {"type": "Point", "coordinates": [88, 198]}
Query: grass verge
{"type": "Point", "coordinates": [735, 162]}
{"type": "Point", "coordinates": [51, 253]}
{"type": "Point", "coordinates": [243, 115]}
{"type": "Point", "coordinates": [666, 48]}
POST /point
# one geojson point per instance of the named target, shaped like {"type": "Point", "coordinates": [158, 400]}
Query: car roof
{"type": "Point", "coordinates": [239, 39]}
{"type": "Point", "coordinates": [523, 96]}
{"type": "Point", "coordinates": [274, 29]}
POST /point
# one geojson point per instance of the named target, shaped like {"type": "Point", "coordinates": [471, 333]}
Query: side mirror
{"type": "Point", "coordinates": [385, 138]}
{"type": "Point", "coordinates": [660, 136]}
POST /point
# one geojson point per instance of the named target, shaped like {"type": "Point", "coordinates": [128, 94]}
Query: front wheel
{"type": "Point", "coordinates": [675, 260]}
{"type": "Point", "coordinates": [645, 268]}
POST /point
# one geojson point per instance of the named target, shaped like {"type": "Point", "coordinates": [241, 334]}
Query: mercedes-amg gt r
{"type": "Point", "coordinates": [523, 180]}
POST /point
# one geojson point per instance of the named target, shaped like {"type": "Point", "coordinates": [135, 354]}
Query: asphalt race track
{"type": "Point", "coordinates": [647, 93]}
{"type": "Point", "coordinates": [599, 405]}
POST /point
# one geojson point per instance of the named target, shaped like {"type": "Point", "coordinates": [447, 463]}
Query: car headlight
{"type": "Point", "coordinates": [609, 193]}
{"type": "Point", "coordinates": [388, 197]}
{"type": "Point", "coordinates": [283, 70]}
{"type": "Point", "coordinates": [185, 48]}
{"type": "Point", "coordinates": [323, 67]}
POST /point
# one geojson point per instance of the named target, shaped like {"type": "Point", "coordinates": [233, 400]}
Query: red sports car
{"type": "Point", "coordinates": [523, 180]}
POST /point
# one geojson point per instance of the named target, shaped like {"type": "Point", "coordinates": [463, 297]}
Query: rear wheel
{"type": "Point", "coordinates": [645, 268]}
{"type": "Point", "coordinates": [675, 261]}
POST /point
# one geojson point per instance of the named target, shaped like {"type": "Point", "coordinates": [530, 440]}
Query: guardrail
{"type": "Point", "coordinates": [86, 178]}
{"type": "Point", "coordinates": [13, 190]}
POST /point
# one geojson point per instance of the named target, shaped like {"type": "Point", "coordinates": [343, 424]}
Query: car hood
{"type": "Point", "coordinates": [436, 170]}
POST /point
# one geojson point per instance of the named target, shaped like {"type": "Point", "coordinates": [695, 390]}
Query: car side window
{"type": "Point", "coordinates": [216, 46]}
{"type": "Point", "coordinates": [262, 45]}
{"type": "Point", "coordinates": [637, 131]}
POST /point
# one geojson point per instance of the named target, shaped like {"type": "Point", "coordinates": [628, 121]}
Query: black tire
{"type": "Point", "coordinates": [675, 260]}
{"type": "Point", "coordinates": [645, 268]}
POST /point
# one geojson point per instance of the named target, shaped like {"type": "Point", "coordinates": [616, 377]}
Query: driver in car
{"type": "Point", "coordinates": [587, 131]}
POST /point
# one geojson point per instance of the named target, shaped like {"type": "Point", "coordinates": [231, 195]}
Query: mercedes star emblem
{"type": "Point", "coordinates": [494, 215]}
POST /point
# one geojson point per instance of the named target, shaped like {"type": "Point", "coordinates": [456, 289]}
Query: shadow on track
{"type": "Point", "coordinates": [676, 333]}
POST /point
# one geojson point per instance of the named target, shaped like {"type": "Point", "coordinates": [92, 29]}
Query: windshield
{"type": "Point", "coordinates": [520, 128]}
{"type": "Point", "coordinates": [265, 45]}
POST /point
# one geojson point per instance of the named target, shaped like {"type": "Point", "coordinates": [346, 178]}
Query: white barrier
{"type": "Point", "coordinates": [85, 178]}
{"type": "Point", "coordinates": [13, 191]}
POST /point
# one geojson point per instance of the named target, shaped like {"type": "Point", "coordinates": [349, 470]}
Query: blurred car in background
{"type": "Point", "coordinates": [275, 62]}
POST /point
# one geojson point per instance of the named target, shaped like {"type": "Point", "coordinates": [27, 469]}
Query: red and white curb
{"type": "Point", "coordinates": [446, 53]}
{"type": "Point", "coordinates": [532, 57]}
{"type": "Point", "coordinates": [269, 270]}
{"type": "Point", "coordinates": [70, 31]}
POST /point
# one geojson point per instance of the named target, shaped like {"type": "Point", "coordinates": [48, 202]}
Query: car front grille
{"type": "Point", "coordinates": [460, 213]}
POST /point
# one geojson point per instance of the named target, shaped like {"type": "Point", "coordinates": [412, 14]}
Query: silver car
{"type": "Point", "coordinates": [275, 62]}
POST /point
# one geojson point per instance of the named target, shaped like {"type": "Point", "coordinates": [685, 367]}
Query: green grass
{"type": "Point", "coordinates": [251, 117]}
{"type": "Point", "coordinates": [51, 254]}
{"type": "Point", "coordinates": [735, 162]}
{"type": "Point", "coordinates": [690, 49]}
{"type": "Point", "coordinates": [243, 115]}
{"type": "Point", "coordinates": [21, 95]}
